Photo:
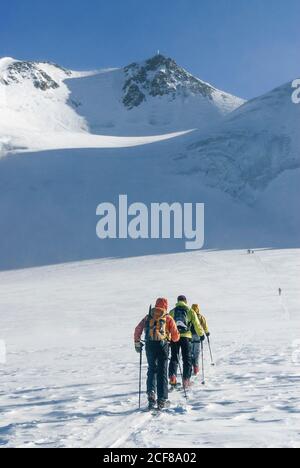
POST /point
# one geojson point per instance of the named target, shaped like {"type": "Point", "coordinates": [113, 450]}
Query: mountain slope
{"type": "Point", "coordinates": [153, 96]}
{"type": "Point", "coordinates": [48, 205]}
{"type": "Point", "coordinates": [34, 102]}
{"type": "Point", "coordinates": [252, 146]}
{"type": "Point", "coordinates": [48, 199]}
{"type": "Point", "coordinates": [43, 103]}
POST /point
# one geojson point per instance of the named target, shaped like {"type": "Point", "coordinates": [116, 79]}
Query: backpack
{"type": "Point", "coordinates": [181, 319]}
{"type": "Point", "coordinates": [193, 330]}
{"type": "Point", "coordinates": [156, 325]}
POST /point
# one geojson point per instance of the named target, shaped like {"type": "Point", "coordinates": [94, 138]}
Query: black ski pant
{"type": "Point", "coordinates": [158, 357]}
{"type": "Point", "coordinates": [185, 345]}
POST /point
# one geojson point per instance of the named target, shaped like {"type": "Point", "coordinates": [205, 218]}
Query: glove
{"type": "Point", "coordinates": [208, 334]}
{"type": "Point", "coordinates": [138, 347]}
{"type": "Point", "coordinates": [202, 338]}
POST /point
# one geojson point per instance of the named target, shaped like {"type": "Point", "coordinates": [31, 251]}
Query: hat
{"type": "Point", "coordinates": [182, 299]}
{"type": "Point", "coordinates": [162, 303]}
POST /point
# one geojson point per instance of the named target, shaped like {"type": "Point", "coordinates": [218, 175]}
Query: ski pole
{"type": "Point", "coordinates": [140, 376]}
{"type": "Point", "coordinates": [203, 371]}
{"type": "Point", "coordinates": [210, 351]}
{"type": "Point", "coordinates": [181, 375]}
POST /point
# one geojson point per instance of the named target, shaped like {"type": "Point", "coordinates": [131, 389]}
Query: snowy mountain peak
{"type": "Point", "coordinates": [17, 72]}
{"type": "Point", "coordinates": [160, 76]}
{"type": "Point", "coordinates": [151, 98]}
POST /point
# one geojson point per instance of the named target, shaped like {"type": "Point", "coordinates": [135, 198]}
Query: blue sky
{"type": "Point", "coordinates": [245, 47]}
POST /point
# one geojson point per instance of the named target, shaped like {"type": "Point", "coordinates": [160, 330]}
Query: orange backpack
{"type": "Point", "coordinates": [156, 326]}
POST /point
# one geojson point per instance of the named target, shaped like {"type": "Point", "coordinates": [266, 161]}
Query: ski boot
{"type": "Point", "coordinates": [151, 400]}
{"type": "Point", "coordinates": [163, 404]}
{"type": "Point", "coordinates": [173, 381]}
{"type": "Point", "coordinates": [186, 384]}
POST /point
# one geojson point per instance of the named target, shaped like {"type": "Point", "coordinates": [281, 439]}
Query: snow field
{"type": "Point", "coordinates": [71, 377]}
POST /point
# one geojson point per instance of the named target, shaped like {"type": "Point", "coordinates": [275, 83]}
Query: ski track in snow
{"type": "Point", "coordinates": [70, 381]}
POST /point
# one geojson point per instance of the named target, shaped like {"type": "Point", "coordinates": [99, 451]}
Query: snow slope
{"type": "Point", "coordinates": [155, 96]}
{"type": "Point", "coordinates": [244, 165]}
{"type": "Point", "coordinates": [48, 205]}
{"type": "Point", "coordinates": [33, 100]}
{"type": "Point", "coordinates": [252, 146]}
{"type": "Point", "coordinates": [71, 375]}
{"type": "Point", "coordinates": [44, 106]}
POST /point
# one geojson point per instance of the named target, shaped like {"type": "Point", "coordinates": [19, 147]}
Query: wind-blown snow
{"type": "Point", "coordinates": [71, 376]}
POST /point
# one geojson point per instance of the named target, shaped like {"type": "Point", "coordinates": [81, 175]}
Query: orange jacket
{"type": "Point", "coordinates": [171, 329]}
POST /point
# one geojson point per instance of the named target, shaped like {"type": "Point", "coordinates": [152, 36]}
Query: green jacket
{"type": "Point", "coordinates": [192, 319]}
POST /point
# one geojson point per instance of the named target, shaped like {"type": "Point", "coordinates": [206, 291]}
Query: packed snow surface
{"type": "Point", "coordinates": [71, 376]}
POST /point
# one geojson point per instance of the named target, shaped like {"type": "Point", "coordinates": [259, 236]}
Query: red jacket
{"type": "Point", "coordinates": [171, 328]}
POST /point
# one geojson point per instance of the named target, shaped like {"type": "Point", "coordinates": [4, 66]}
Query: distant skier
{"type": "Point", "coordinates": [159, 328]}
{"type": "Point", "coordinates": [196, 340]}
{"type": "Point", "coordinates": [185, 318]}
{"type": "Point", "coordinates": [280, 291]}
